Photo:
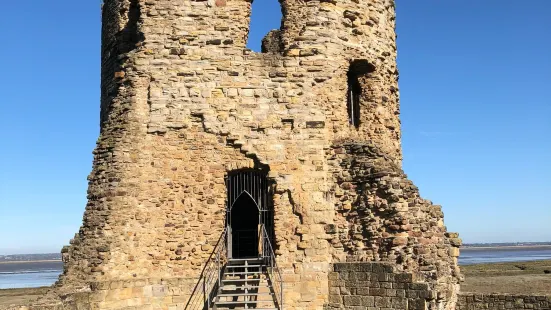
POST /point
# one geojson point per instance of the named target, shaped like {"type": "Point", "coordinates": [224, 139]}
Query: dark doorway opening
{"type": "Point", "coordinates": [249, 213]}
{"type": "Point", "coordinates": [244, 227]}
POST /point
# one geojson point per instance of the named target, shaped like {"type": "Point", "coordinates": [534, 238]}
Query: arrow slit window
{"type": "Point", "coordinates": [353, 99]}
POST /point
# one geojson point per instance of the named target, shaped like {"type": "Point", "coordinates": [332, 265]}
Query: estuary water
{"type": "Point", "coordinates": [470, 256]}
{"type": "Point", "coordinates": [37, 274]}
{"type": "Point", "coordinates": [29, 274]}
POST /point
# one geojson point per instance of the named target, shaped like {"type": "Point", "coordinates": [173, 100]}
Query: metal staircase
{"type": "Point", "coordinates": [245, 284]}
{"type": "Point", "coordinates": [240, 283]}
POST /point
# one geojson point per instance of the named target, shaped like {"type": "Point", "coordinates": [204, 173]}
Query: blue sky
{"type": "Point", "coordinates": [476, 105]}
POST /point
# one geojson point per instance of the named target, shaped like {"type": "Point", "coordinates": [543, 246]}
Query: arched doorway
{"type": "Point", "coordinates": [249, 210]}
{"type": "Point", "coordinates": [245, 227]}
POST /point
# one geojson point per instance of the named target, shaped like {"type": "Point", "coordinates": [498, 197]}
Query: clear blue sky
{"type": "Point", "coordinates": [476, 108]}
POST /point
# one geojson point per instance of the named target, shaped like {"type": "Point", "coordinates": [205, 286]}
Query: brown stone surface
{"type": "Point", "coordinates": [377, 286]}
{"type": "Point", "coordinates": [272, 42]}
{"type": "Point", "coordinates": [184, 103]}
{"type": "Point", "coordinates": [381, 217]}
{"type": "Point", "coordinates": [469, 301]}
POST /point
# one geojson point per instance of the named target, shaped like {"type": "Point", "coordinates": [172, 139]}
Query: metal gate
{"type": "Point", "coordinates": [254, 184]}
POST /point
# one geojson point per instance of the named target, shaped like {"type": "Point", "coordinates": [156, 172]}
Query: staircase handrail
{"type": "Point", "coordinates": [273, 270]}
{"type": "Point", "coordinates": [210, 278]}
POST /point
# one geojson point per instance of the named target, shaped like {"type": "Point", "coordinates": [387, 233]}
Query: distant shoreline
{"type": "Point", "coordinates": [31, 261]}
{"type": "Point", "coordinates": [506, 247]}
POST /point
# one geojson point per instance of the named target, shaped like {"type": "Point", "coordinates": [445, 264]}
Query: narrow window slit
{"type": "Point", "coordinates": [359, 69]}
{"type": "Point", "coordinates": [354, 94]}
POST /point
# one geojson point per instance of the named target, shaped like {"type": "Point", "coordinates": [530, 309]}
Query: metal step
{"type": "Point", "coordinates": [258, 286]}
{"type": "Point", "coordinates": [242, 294]}
{"type": "Point", "coordinates": [242, 280]}
{"type": "Point", "coordinates": [245, 266]}
{"type": "Point", "coordinates": [250, 259]}
{"type": "Point", "coordinates": [242, 273]}
{"type": "Point", "coordinates": [244, 287]}
{"type": "Point", "coordinates": [223, 308]}
{"type": "Point", "coordinates": [242, 302]}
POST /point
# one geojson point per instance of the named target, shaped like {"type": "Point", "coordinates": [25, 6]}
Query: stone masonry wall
{"type": "Point", "coordinates": [381, 217]}
{"type": "Point", "coordinates": [468, 301]}
{"type": "Point", "coordinates": [184, 103]}
{"type": "Point", "coordinates": [152, 293]}
{"type": "Point", "coordinates": [380, 286]}
{"type": "Point", "coordinates": [370, 286]}
{"type": "Point", "coordinates": [375, 286]}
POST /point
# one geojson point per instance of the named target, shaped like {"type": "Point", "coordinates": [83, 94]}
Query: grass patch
{"type": "Point", "coordinates": [507, 269]}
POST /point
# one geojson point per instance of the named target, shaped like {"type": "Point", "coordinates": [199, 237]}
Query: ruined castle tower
{"type": "Point", "coordinates": [209, 148]}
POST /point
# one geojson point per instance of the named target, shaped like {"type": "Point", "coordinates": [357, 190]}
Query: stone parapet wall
{"type": "Point", "coordinates": [382, 217]}
{"type": "Point", "coordinates": [132, 294]}
{"type": "Point", "coordinates": [473, 301]}
{"type": "Point", "coordinates": [376, 286]}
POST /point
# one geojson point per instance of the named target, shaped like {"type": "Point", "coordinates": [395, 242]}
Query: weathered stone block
{"type": "Point", "coordinates": [367, 301]}
{"type": "Point", "coordinates": [352, 300]}
{"type": "Point", "coordinates": [335, 299]}
{"type": "Point", "coordinates": [417, 304]}
{"type": "Point", "coordinates": [382, 302]}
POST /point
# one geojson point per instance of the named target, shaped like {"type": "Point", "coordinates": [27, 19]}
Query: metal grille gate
{"type": "Point", "coordinates": [254, 184]}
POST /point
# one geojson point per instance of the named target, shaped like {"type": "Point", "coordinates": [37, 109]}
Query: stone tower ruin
{"type": "Point", "coordinates": [211, 153]}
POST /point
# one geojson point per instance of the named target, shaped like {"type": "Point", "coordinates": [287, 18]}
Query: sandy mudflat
{"type": "Point", "coordinates": [20, 296]}
{"type": "Point", "coordinates": [511, 278]}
